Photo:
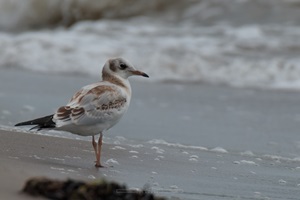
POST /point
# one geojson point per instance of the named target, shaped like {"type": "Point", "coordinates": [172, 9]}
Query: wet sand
{"type": "Point", "coordinates": [191, 141]}
{"type": "Point", "coordinates": [28, 155]}
{"type": "Point", "coordinates": [167, 171]}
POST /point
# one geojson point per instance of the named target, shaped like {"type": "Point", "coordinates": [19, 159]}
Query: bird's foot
{"type": "Point", "coordinates": [98, 165]}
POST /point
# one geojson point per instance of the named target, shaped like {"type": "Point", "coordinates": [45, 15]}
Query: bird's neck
{"type": "Point", "coordinates": [119, 81]}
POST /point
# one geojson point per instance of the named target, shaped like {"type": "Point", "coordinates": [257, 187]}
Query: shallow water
{"type": "Point", "coordinates": [188, 116]}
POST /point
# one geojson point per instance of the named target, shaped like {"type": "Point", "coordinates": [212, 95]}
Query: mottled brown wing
{"type": "Point", "coordinates": [90, 106]}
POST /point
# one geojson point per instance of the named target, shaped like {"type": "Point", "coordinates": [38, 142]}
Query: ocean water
{"type": "Point", "coordinates": [239, 43]}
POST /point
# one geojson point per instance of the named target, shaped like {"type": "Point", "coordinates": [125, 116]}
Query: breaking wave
{"type": "Point", "coordinates": [201, 41]}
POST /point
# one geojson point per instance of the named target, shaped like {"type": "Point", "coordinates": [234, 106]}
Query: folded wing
{"type": "Point", "coordinates": [91, 105]}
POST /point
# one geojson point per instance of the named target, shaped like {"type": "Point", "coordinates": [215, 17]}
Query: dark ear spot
{"type": "Point", "coordinates": [112, 66]}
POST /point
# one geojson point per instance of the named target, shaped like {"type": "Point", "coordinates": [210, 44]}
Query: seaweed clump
{"type": "Point", "coordinates": [79, 190]}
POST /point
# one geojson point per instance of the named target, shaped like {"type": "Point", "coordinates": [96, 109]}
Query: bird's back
{"type": "Point", "coordinates": [94, 108]}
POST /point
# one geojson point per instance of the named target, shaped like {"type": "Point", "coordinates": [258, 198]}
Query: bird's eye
{"type": "Point", "coordinates": [123, 66]}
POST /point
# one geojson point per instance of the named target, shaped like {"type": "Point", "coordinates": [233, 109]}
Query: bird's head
{"type": "Point", "coordinates": [122, 68]}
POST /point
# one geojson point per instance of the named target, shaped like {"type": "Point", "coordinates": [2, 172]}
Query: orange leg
{"type": "Point", "coordinates": [98, 149]}
{"type": "Point", "coordinates": [95, 146]}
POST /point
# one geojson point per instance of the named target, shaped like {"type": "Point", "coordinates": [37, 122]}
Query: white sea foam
{"type": "Point", "coordinates": [59, 159]}
{"type": "Point", "coordinates": [72, 170]}
{"type": "Point", "coordinates": [177, 145]}
{"type": "Point", "coordinates": [174, 187]}
{"type": "Point", "coordinates": [158, 150]}
{"type": "Point", "coordinates": [84, 48]}
{"type": "Point", "coordinates": [219, 150]}
{"type": "Point", "coordinates": [193, 159]}
{"type": "Point", "coordinates": [247, 162]}
{"type": "Point", "coordinates": [134, 152]}
{"type": "Point", "coordinates": [194, 156]}
{"type": "Point", "coordinates": [112, 161]}
{"type": "Point", "coordinates": [37, 157]}
{"type": "Point", "coordinates": [282, 182]}
{"type": "Point", "coordinates": [247, 153]}
{"type": "Point", "coordinates": [121, 138]}
{"type": "Point", "coordinates": [57, 168]}
{"type": "Point", "coordinates": [281, 158]}
{"type": "Point", "coordinates": [118, 148]}
{"type": "Point", "coordinates": [136, 145]}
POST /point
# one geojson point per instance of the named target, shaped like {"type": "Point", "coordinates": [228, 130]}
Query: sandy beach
{"type": "Point", "coordinates": [186, 141]}
{"type": "Point", "coordinates": [175, 173]}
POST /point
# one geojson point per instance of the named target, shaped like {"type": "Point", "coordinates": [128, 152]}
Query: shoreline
{"type": "Point", "coordinates": [192, 114]}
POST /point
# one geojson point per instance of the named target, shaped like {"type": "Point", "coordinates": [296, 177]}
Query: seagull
{"type": "Point", "coordinates": [95, 108]}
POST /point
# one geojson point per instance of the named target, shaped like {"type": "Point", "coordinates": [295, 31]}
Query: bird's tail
{"type": "Point", "coordinates": [41, 123]}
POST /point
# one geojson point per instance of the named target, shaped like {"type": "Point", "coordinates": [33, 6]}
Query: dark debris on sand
{"type": "Point", "coordinates": [79, 190]}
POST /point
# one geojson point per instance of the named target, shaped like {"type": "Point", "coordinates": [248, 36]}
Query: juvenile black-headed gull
{"type": "Point", "coordinates": [96, 107]}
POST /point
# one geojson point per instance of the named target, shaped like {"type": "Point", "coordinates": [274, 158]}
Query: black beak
{"type": "Point", "coordinates": [139, 73]}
